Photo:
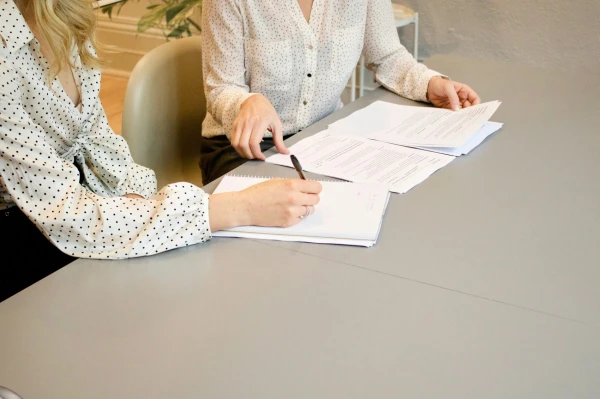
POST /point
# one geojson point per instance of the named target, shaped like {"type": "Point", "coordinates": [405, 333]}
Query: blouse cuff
{"type": "Point", "coordinates": [201, 216]}
{"type": "Point", "coordinates": [183, 215]}
{"type": "Point", "coordinates": [206, 209]}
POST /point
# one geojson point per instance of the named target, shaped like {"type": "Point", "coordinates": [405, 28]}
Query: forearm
{"type": "Point", "coordinates": [223, 60]}
{"type": "Point", "coordinates": [224, 104]}
{"type": "Point", "coordinates": [395, 68]}
{"type": "Point", "coordinates": [401, 74]}
{"type": "Point", "coordinates": [90, 226]}
{"type": "Point", "coordinates": [227, 211]}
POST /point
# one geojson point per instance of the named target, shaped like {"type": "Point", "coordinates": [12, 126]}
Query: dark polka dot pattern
{"type": "Point", "coordinates": [268, 47]}
{"type": "Point", "coordinates": [68, 172]}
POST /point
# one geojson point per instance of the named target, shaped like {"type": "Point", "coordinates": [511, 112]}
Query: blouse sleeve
{"type": "Point", "coordinates": [77, 220]}
{"type": "Point", "coordinates": [223, 61]}
{"type": "Point", "coordinates": [395, 68]}
{"type": "Point", "coordinates": [105, 160]}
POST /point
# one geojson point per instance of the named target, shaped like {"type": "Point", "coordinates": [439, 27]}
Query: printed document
{"type": "Point", "coordinates": [416, 126]}
{"type": "Point", "coordinates": [362, 160]}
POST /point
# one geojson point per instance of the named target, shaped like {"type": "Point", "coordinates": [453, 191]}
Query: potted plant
{"type": "Point", "coordinates": [174, 17]}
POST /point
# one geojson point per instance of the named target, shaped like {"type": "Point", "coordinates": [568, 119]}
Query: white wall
{"type": "Point", "coordinates": [555, 34]}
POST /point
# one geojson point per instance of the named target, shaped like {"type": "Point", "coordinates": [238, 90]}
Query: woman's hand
{"type": "Point", "coordinates": [256, 116]}
{"type": "Point", "coordinates": [445, 93]}
{"type": "Point", "coordinates": [274, 203]}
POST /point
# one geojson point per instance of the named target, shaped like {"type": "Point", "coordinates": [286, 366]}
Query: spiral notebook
{"type": "Point", "coordinates": [347, 214]}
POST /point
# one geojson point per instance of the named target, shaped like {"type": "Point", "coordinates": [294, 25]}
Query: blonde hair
{"type": "Point", "coordinates": [64, 24]}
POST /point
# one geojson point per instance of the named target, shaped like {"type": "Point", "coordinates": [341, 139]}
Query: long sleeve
{"type": "Point", "coordinates": [223, 61]}
{"type": "Point", "coordinates": [46, 187]}
{"type": "Point", "coordinates": [395, 68]}
{"type": "Point", "coordinates": [105, 160]}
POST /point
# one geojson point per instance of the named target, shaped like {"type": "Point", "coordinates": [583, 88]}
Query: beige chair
{"type": "Point", "coordinates": [163, 111]}
{"type": "Point", "coordinates": [8, 394]}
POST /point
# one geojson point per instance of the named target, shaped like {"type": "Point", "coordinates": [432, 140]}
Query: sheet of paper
{"type": "Point", "coordinates": [416, 126]}
{"type": "Point", "coordinates": [488, 129]}
{"type": "Point", "coordinates": [379, 116]}
{"type": "Point", "coordinates": [346, 211]}
{"type": "Point", "coordinates": [364, 161]}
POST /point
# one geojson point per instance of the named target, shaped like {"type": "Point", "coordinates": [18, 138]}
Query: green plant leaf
{"type": "Point", "coordinates": [174, 16]}
{"type": "Point", "coordinates": [173, 11]}
{"type": "Point", "coordinates": [177, 32]}
{"type": "Point", "coordinates": [152, 18]}
{"type": "Point", "coordinates": [107, 10]}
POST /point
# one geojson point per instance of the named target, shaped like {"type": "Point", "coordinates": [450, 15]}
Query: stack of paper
{"type": "Point", "coordinates": [362, 160]}
{"type": "Point", "coordinates": [434, 129]}
{"type": "Point", "coordinates": [349, 214]}
{"type": "Point", "coordinates": [396, 145]}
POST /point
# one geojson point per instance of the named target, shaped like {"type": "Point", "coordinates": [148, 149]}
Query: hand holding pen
{"type": "Point", "coordinates": [298, 167]}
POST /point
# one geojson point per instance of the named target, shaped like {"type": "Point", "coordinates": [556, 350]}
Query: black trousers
{"type": "Point", "coordinates": [219, 157]}
{"type": "Point", "coordinates": [27, 255]}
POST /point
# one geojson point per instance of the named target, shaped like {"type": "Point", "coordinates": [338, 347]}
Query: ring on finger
{"type": "Point", "coordinates": [308, 212]}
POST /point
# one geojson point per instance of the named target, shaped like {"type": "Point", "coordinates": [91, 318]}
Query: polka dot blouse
{"type": "Point", "coordinates": [268, 47]}
{"type": "Point", "coordinates": [68, 172]}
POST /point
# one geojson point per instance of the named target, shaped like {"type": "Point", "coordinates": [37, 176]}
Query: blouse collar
{"type": "Point", "coordinates": [14, 31]}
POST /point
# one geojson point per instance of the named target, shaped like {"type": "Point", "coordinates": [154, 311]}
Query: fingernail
{"type": "Point", "coordinates": [455, 108]}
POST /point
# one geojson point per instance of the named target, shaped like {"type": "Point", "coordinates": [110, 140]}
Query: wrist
{"type": "Point", "coordinates": [251, 97]}
{"type": "Point", "coordinates": [432, 81]}
{"type": "Point", "coordinates": [227, 210]}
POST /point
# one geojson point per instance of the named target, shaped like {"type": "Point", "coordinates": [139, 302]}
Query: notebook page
{"type": "Point", "coordinates": [346, 211]}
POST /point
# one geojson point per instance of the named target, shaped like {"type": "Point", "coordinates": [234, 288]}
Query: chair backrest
{"type": "Point", "coordinates": [6, 393]}
{"type": "Point", "coordinates": [164, 109]}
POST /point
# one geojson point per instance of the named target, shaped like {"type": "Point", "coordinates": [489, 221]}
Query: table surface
{"type": "Point", "coordinates": [484, 283]}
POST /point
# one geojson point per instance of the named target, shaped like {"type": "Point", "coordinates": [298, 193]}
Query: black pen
{"type": "Point", "coordinates": [297, 166]}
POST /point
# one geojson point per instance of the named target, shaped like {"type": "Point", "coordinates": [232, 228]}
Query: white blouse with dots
{"type": "Point", "coordinates": [268, 47]}
{"type": "Point", "coordinates": [66, 169]}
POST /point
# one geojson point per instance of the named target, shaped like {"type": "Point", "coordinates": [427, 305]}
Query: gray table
{"type": "Point", "coordinates": [484, 283]}
{"type": "Point", "coordinates": [516, 221]}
